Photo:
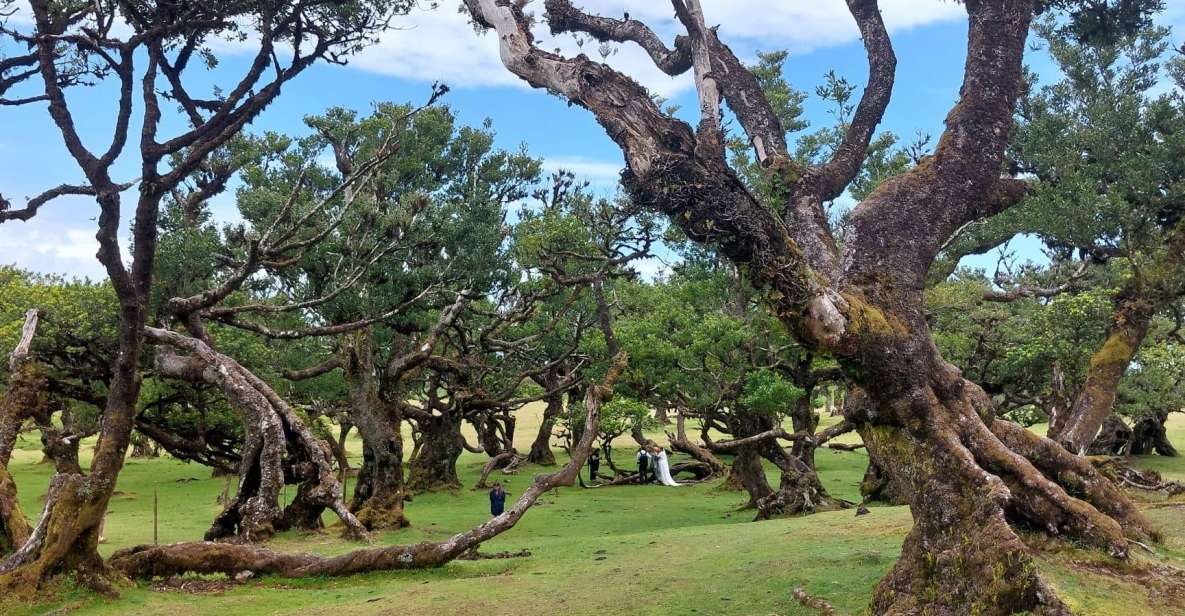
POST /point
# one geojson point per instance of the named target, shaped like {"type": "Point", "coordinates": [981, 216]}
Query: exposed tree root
{"type": "Point", "coordinates": [798, 494]}
{"type": "Point", "coordinates": [961, 556]}
{"type": "Point", "coordinates": [968, 483]}
{"type": "Point", "coordinates": [479, 555]}
{"type": "Point", "coordinates": [1165, 585]}
{"type": "Point", "coordinates": [815, 603]}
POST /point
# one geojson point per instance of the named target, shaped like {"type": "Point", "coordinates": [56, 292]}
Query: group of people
{"type": "Point", "coordinates": [653, 466]}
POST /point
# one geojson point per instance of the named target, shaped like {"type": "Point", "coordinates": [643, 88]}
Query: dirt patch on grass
{"type": "Point", "coordinates": [193, 586]}
{"type": "Point", "coordinates": [1165, 585]}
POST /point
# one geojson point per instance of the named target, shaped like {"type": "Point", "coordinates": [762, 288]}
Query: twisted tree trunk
{"type": "Point", "coordinates": [1145, 293]}
{"type": "Point", "coordinates": [1114, 439]}
{"type": "Point", "coordinates": [1148, 436]}
{"type": "Point", "coordinates": [66, 538]}
{"type": "Point", "coordinates": [1082, 422]}
{"type": "Point", "coordinates": [804, 419]}
{"type": "Point", "coordinates": [24, 397]}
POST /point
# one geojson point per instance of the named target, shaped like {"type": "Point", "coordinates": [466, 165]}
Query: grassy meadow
{"type": "Point", "coordinates": [610, 550]}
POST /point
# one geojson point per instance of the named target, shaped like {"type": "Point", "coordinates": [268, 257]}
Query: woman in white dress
{"type": "Point", "coordinates": [662, 468]}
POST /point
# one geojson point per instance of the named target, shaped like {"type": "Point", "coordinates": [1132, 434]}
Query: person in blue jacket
{"type": "Point", "coordinates": [497, 500]}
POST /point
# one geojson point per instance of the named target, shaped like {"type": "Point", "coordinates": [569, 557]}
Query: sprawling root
{"type": "Point", "coordinates": [1118, 470]}
{"type": "Point", "coordinates": [1078, 477]}
{"type": "Point", "coordinates": [799, 493]}
{"type": "Point", "coordinates": [968, 483]}
{"type": "Point", "coordinates": [961, 556]}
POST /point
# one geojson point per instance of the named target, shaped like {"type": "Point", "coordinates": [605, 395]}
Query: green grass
{"type": "Point", "coordinates": [629, 549]}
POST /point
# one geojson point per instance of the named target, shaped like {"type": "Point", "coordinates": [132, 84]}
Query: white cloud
{"type": "Point", "coordinates": [598, 172]}
{"type": "Point", "coordinates": [44, 248]}
{"type": "Point", "coordinates": [440, 44]}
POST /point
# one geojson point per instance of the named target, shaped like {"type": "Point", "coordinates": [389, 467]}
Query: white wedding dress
{"type": "Point", "coordinates": [662, 469]}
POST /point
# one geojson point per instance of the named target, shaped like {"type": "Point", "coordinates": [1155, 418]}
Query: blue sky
{"type": "Point", "coordinates": [929, 38]}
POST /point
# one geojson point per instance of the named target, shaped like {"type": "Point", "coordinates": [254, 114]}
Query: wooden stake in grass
{"type": "Point", "coordinates": [155, 515]}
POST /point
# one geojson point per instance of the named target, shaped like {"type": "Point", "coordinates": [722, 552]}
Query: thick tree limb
{"type": "Point", "coordinates": [563, 17]}
{"type": "Point", "coordinates": [828, 181]}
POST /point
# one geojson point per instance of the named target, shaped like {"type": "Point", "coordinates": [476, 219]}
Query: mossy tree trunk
{"type": "Point", "coordinates": [748, 473]}
{"type": "Point", "coordinates": [379, 491]}
{"type": "Point", "coordinates": [24, 397]}
{"type": "Point", "coordinates": [1147, 291]}
{"type": "Point", "coordinates": [1077, 428]}
{"type": "Point", "coordinates": [66, 538]}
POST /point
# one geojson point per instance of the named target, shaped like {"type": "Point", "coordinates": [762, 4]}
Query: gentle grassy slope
{"type": "Point", "coordinates": [630, 549]}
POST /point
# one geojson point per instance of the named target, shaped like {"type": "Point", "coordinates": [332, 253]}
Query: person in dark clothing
{"type": "Point", "coordinates": [594, 463]}
{"type": "Point", "coordinates": [643, 465]}
{"type": "Point", "coordinates": [497, 500]}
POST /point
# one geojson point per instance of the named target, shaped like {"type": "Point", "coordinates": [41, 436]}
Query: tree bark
{"type": "Point", "coordinates": [968, 474]}
{"type": "Point", "coordinates": [24, 397]}
{"type": "Point", "coordinates": [804, 419]}
{"type": "Point", "coordinates": [1147, 291]}
{"type": "Point", "coordinates": [66, 538]}
{"type": "Point", "coordinates": [254, 513]}
{"type": "Point", "coordinates": [1113, 440]}
{"type": "Point", "coordinates": [748, 472]}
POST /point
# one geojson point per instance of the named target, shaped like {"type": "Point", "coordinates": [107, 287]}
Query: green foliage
{"type": "Point", "coordinates": [768, 393]}
{"type": "Point", "coordinates": [619, 415]}
{"type": "Point", "coordinates": [1155, 383]}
